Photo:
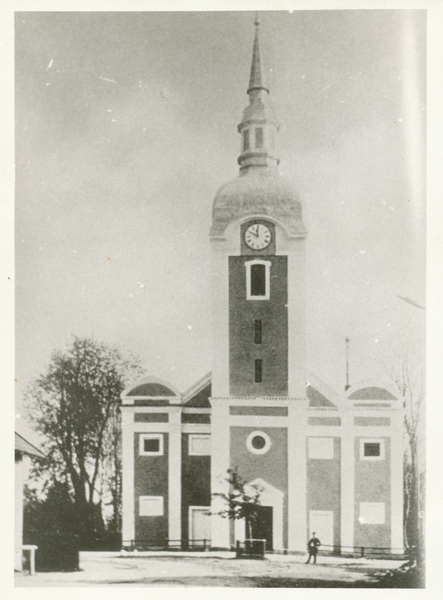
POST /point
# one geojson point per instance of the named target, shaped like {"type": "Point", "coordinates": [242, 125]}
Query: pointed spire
{"type": "Point", "coordinates": [258, 125]}
{"type": "Point", "coordinates": [256, 80]}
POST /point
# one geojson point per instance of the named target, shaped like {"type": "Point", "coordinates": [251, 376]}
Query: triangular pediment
{"type": "Point", "coordinates": [265, 487]}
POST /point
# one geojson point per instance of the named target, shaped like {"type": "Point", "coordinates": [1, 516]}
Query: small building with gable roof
{"type": "Point", "coordinates": [23, 449]}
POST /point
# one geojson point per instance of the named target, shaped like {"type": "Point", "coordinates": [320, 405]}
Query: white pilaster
{"type": "Point", "coordinates": [220, 324]}
{"type": "Point", "coordinates": [347, 480]}
{"type": "Point", "coordinates": [397, 482]}
{"type": "Point", "coordinates": [220, 462]}
{"type": "Point", "coordinates": [297, 525]}
{"type": "Point", "coordinates": [296, 318]}
{"type": "Point", "coordinates": [174, 479]}
{"type": "Point", "coordinates": [128, 528]}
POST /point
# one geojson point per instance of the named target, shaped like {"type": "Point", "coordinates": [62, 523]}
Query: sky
{"type": "Point", "coordinates": [126, 128]}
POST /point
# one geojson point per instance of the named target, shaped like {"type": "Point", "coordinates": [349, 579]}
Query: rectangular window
{"type": "Point", "coordinates": [245, 139]}
{"type": "Point", "coordinates": [199, 445]}
{"type": "Point", "coordinates": [372, 449]}
{"type": "Point", "coordinates": [151, 444]}
{"type": "Point", "coordinates": [372, 513]}
{"type": "Point", "coordinates": [151, 506]}
{"type": "Point", "coordinates": [258, 331]}
{"type": "Point", "coordinates": [258, 280]}
{"type": "Point", "coordinates": [259, 137]}
{"type": "Point", "coordinates": [258, 370]}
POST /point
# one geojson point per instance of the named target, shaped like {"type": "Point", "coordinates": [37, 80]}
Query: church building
{"type": "Point", "coordinates": [325, 461]}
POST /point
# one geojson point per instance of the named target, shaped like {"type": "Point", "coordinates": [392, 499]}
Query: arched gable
{"type": "Point", "coordinates": [372, 390]}
{"type": "Point", "coordinates": [151, 387]}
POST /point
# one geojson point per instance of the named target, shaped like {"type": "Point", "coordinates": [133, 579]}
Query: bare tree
{"type": "Point", "coordinates": [408, 377]}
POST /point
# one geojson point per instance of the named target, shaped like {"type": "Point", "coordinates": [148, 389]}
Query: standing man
{"type": "Point", "coordinates": [313, 545]}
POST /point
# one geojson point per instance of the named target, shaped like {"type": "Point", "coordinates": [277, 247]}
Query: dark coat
{"type": "Point", "coordinates": [313, 545]}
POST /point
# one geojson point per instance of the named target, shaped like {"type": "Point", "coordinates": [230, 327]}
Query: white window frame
{"type": "Point", "coordinates": [365, 506]}
{"type": "Point", "coordinates": [150, 436]}
{"type": "Point", "coordinates": [312, 447]}
{"type": "Point", "coordinates": [248, 266]}
{"type": "Point", "coordinates": [194, 436]}
{"type": "Point", "coordinates": [364, 441]}
{"type": "Point", "coordinates": [160, 510]}
{"type": "Point", "coordinates": [265, 448]}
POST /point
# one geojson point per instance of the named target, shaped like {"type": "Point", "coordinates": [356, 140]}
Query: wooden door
{"type": "Point", "coordinates": [262, 528]}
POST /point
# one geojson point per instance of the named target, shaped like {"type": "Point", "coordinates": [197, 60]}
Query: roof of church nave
{"type": "Point", "coordinates": [259, 188]}
{"type": "Point", "coordinates": [319, 394]}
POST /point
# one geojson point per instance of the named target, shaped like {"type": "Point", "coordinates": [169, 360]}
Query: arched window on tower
{"type": "Point", "coordinates": [258, 279]}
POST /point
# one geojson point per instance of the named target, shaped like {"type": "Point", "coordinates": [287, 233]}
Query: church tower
{"type": "Point", "coordinates": [258, 264]}
{"type": "Point", "coordinates": [258, 282]}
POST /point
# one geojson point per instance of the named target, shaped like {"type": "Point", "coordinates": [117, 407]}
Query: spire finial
{"type": "Point", "coordinates": [347, 386]}
{"type": "Point", "coordinates": [256, 80]}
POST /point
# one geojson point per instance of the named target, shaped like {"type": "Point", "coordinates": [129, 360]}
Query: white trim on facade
{"type": "Point", "coordinates": [220, 463]}
{"type": "Point", "coordinates": [174, 475]}
{"type": "Point", "coordinates": [196, 428]}
{"type": "Point", "coordinates": [320, 448]}
{"type": "Point", "coordinates": [150, 436]}
{"type": "Point", "coordinates": [251, 447]}
{"type": "Point", "coordinates": [191, 511]}
{"type": "Point", "coordinates": [367, 440]}
{"type": "Point", "coordinates": [347, 480]}
{"type": "Point", "coordinates": [257, 421]}
{"type": "Point", "coordinates": [296, 318]}
{"type": "Point", "coordinates": [149, 427]}
{"type": "Point", "coordinates": [150, 506]}
{"type": "Point", "coordinates": [396, 450]}
{"type": "Point", "coordinates": [220, 322]}
{"type": "Point", "coordinates": [280, 401]}
{"type": "Point", "coordinates": [267, 265]}
{"type": "Point", "coordinates": [198, 437]}
{"type": "Point", "coordinates": [128, 529]}
{"type": "Point", "coordinates": [297, 512]}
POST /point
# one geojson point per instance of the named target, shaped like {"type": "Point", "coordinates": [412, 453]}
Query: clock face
{"type": "Point", "coordinates": [257, 236]}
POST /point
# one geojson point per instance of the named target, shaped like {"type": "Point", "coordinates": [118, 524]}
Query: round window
{"type": "Point", "coordinates": [258, 442]}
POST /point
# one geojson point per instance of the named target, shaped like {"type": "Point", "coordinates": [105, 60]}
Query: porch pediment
{"type": "Point", "coordinates": [267, 490]}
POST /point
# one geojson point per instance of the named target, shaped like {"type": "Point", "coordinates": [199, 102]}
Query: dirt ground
{"type": "Point", "coordinates": [210, 570]}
